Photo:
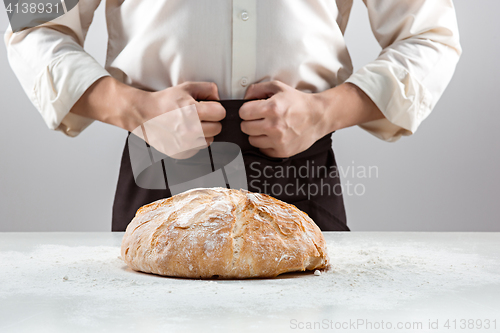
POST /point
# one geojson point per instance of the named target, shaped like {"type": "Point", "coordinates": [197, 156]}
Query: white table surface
{"type": "Point", "coordinates": [76, 282]}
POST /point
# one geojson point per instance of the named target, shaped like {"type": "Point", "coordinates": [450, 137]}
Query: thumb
{"type": "Point", "coordinates": [203, 90]}
{"type": "Point", "coordinates": [263, 90]}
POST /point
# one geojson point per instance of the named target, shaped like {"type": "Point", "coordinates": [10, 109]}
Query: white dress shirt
{"type": "Point", "coordinates": [156, 44]}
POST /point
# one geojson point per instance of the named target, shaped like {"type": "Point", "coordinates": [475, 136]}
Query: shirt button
{"type": "Point", "coordinates": [244, 15]}
{"type": "Point", "coordinates": [244, 81]}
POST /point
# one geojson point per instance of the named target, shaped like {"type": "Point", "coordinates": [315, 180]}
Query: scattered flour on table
{"type": "Point", "coordinates": [381, 275]}
{"type": "Point", "coordinates": [366, 275]}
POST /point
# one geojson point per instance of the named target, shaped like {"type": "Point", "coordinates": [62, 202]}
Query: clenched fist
{"type": "Point", "coordinates": [284, 122]}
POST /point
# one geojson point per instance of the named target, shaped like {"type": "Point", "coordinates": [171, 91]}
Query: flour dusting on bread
{"type": "Point", "coordinates": [224, 233]}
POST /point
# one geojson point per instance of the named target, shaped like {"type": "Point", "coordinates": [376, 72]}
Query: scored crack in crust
{"type": "Point", "coordinates": [224, 233]}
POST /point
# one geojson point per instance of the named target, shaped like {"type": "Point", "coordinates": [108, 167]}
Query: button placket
{"type": "Point", "coordinates": [244, 46]}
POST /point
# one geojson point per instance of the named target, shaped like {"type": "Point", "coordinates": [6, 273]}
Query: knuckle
{"type": "Point", "coordinates": [277, 128]}
{"type": "Point", "coordinates": [277, 83]}
{"type": "Point", "coordinates": [268, 128]}
{"type": "Point", "coordinates": [271, 128]}
{"type": "Point", "coordinates": [276, 108]}
{"type": "Point", "coordinates": [272, 108]}
{"type": "Point", "coordinates": [276, 131]}
{"type": "Point", "coordinates": [280, 139]}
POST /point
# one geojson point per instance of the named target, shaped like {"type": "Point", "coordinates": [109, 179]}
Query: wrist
{"type": "Point", "coordinates": [133, 107]}
{"type": "Point", "coordinates": [112, 102]}
{"type": "Point", "coordinates": [126, 102]}
{"type": "Point", "coordinates": [326, 104]}
{"type": "Point", "coordinates": [347, 105]}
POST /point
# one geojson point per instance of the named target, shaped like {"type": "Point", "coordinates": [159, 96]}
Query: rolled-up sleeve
{"type": "Point", "coordinates": [420, 50]}
{"type": "Point", "coordinates": [53, 68]}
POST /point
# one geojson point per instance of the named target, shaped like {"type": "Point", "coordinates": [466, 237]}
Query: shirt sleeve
{"type": "Point", "coordinates": [420, 50]}
{"type": "Point", "coordinates": [53, 68]}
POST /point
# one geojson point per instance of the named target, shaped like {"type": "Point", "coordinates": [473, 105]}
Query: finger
{"type": "Point", "coordinates": [202, 90]}
{"type": "Point", "coordinates": [185, 154]}
{"type": "Point", "coordinates": [261, 141]}
{"type": "Point", "coordinates": [254, 127]}
{"type": "Point", "coordinates": [210, 111]}
{"type": "Point", "coordinates": [254, 110]}
{"type": "Point", "coordinates": [263, 90]}
{"type": "Point", "coordinates": [211, 129]}
{"type": "Point", "coordinates": [271, 152]}
{"type": "Point", "coordinates": [209, 141]}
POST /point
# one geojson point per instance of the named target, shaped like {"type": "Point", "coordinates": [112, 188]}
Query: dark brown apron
{"type": "Point", "coordinates": [310, 178]}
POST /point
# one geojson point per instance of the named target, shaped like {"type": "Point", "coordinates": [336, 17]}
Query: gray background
{"type": "Point", "coordinates": [444, 178]}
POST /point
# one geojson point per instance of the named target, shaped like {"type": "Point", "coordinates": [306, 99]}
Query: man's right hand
{"type": "Point", "coordinates": [115, 103]}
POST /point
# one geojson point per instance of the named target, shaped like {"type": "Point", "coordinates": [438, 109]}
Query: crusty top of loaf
{"type": "Point", "coordinates": [220, 232]}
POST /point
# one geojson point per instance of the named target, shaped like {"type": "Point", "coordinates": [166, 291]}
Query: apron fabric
{"type": "Point", "coordinates": [311, 176]}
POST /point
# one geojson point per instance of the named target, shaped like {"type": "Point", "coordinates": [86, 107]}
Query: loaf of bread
{"type": "Point", "coordinates": [222, 233]}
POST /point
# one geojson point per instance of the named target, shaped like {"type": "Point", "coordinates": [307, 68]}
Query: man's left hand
{"type": "Point", "coordinates": [283, 121]}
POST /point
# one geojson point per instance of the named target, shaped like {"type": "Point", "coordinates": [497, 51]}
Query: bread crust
{"type": "Point", "coordinates": [223, 233]}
